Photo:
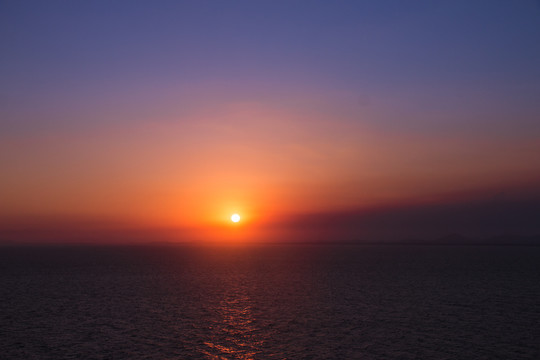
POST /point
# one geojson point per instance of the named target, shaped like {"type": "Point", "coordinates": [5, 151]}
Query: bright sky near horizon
{"type": "Point", "coordinates": [177, 114]}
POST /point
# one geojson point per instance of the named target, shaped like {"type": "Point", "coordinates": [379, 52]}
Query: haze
{"type": "Point", "coordinates": [313, 120]}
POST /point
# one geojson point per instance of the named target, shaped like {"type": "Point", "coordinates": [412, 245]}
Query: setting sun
{"type": "Point", "coordinates": [235, 218]}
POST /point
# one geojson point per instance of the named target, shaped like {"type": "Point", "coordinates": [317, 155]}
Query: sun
{"type": "Point", "coordinates": [235, 218]}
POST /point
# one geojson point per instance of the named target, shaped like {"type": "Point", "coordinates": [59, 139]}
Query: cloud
{"type": "Point", "coordinates": [426, 221]}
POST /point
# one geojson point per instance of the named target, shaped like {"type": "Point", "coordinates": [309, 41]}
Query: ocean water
{"type": "Point", "coordinates": [270, 302]}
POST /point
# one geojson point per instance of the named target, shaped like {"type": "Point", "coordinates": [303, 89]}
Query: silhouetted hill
{"type": "Point", "coordinates": [459, 239]}
{"type": "Point", "coordinates": [454, 238]}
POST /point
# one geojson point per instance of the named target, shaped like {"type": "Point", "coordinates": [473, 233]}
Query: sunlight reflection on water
{"type": "Point", "coordinates": [270, 303]}
{"type": "Point", "coordinates": [236, 333]}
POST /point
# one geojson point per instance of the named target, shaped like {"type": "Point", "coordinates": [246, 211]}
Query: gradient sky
{"type": "Point", "coordinates": [127, 117]}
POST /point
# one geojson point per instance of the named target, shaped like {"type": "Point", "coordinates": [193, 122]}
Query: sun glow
{"type": "Point", "coordinates": [235, 218]}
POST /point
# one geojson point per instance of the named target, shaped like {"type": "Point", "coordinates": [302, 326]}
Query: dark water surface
{"type": "Point", "coordinates": [270, 302]}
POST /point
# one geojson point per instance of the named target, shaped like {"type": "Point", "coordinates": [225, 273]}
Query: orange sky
{"type": "Point", "coordinates": [263, 163]}
{"type": "Point", "coordinates": [165, 118]}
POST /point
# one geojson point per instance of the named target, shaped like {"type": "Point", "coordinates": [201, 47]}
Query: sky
{"type": "Point", "coordinates": [146, 120]}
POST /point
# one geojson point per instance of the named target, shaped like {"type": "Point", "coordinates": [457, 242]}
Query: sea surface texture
{"type": "Point", "coordinates": [270, 302]}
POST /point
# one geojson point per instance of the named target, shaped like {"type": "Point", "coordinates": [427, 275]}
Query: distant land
{"type": "Point", "coordinates": [450, 239]}
{"type": "Point", "coordinates": [458, 239]}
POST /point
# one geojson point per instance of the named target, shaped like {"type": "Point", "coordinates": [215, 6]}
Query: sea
{"type": "Point", "coordinates": [296, 301]}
